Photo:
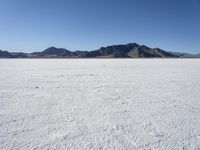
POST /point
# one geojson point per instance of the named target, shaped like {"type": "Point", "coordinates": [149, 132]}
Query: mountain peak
{"type": "Point", "coordinates": [55, 51]}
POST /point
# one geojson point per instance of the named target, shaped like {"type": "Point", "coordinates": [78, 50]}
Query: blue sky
{"type": "Point", "coordinates": [33, 25]}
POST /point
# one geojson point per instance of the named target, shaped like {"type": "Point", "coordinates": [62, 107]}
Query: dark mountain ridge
{"type": "Point", "coordinates": [131, 50]}
{"type": "Point", "coordinates": [5, 54]}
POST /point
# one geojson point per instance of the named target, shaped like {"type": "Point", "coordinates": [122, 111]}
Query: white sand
{"type": "Point", "coordinates": [99, 104]}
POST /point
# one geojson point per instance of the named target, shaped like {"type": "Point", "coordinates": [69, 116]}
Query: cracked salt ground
{"type": "Point", "coordinates": [100, 104]}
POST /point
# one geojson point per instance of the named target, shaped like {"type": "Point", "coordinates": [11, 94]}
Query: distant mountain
{"type": "Point", "coordinates": [52, 52]}
{"type": "Point", "coordinates": [180, 54]}
{"type": "Point", "coordinates": [193, 56]}
{"type": "Point", "coordinates": [131, 50]}
{"type": "Point", "coordinates": [114, 51]}
{"type": "Point", "coordinates": [19, 55]}
{"type": "Point", "coordinates": [185, 55]}
{"type": "Point", "coordinates": [5, 54]}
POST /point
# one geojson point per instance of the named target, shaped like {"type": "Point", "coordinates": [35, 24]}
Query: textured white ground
{"type": "Point", "coordinates": [99, 104]}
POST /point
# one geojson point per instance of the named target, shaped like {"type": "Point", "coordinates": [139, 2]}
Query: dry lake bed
{"type": "Point", "coordinates": [99, 104]}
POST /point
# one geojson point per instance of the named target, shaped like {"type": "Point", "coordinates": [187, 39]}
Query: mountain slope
{"type": "Point", "coordinates": [146, 52]}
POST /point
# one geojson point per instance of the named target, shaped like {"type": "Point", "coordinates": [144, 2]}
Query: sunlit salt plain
{"type": "Point", "coordinates": [99, 104]}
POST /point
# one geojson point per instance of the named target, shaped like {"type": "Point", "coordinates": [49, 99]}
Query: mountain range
{"type": "Point", "coordinates": [131, 50]}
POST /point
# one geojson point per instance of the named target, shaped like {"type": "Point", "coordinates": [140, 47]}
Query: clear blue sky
{"type": "Point", "coordinates": [33, 25]}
